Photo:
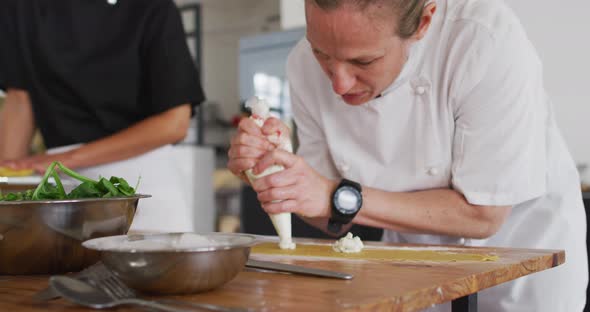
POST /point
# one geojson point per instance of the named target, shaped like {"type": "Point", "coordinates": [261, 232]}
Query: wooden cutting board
{"type": "Point", "coordinates": [7, 172]}
{"type": "Point", "coordinates": [384, 253]}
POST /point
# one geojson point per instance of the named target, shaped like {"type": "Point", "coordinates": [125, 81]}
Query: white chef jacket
{"type": "Point", "coordinates": [468, 112]}
{"type": "Point", "coordinates": [168, 210]}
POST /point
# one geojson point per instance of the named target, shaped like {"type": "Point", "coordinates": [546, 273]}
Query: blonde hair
{"type": "Point", "coordinates": [409, 12]}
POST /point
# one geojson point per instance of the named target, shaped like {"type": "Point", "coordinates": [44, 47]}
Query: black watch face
{"type": "Point", "coordinates": [347, 200]}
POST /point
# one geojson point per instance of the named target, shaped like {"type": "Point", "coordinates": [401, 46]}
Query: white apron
{"type": "Point", "coordinates": [168, 209]}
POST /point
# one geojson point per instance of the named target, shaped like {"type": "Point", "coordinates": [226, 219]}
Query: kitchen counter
{"type": "Point", "coordinates": [392, 285]}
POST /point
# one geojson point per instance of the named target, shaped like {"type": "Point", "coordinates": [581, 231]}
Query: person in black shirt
{"type": "Point", "coordinates": [109, 84]}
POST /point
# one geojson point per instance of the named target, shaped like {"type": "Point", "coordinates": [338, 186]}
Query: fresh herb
{"type": "Point", "coordinates": [26, 195]}
{"type": "Point", "coordinates": [89, 188]}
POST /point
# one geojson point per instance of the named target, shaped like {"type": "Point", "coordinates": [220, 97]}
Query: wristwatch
{"type": "Point", "coordinates": [347, 200]}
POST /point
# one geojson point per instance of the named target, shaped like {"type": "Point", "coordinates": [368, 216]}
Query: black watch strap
{"type": "Point", "coordinates": [334, 226]}
{"type": "Point", "coordinates": [351, 183]}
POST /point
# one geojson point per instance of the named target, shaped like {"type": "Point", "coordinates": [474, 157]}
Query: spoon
{"type": "Point", "coordinates": [84, 294]}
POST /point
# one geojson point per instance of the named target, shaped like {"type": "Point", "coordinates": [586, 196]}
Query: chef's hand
{"type": "Point", "coordinates": [247, 146]}
{"type": "Point", "coordinates": [38, 163]}
{"type": "Point", "coordinates": [298, 189]}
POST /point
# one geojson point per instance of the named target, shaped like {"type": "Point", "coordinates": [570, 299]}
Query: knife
{"type": "Point", "coordinates": [296, 269]}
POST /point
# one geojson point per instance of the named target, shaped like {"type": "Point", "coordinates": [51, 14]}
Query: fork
{"type": "Point", "coordinates": [99, 276]}
{"type": "Point", "coordinates": [49, 293]}
{"type": "Point", "coordinates": [102, 278]}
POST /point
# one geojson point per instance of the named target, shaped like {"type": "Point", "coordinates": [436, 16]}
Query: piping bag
{"type": "Point", "coordinates": [280, 221]}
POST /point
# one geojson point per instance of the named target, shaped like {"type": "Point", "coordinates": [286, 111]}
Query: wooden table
{"type": "Point", "coordinates": [377, 285]}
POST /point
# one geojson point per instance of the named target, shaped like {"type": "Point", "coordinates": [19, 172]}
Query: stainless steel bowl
{"type": "Point", "coordinates": [175, 271]}
{"type": "Point", "coordinates": [44, 237]}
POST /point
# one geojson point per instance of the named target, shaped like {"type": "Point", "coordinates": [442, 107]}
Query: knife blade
{"type": "Point", "coordinates": [296, 269]}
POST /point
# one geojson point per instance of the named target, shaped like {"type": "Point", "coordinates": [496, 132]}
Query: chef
{"type": "Point", "coordinates": [430, 120]}
{"type": "Point", "coordinates": [111, 85]}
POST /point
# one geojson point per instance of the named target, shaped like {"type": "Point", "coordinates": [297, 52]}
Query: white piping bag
{"type": "Point", "coordinates": [281, 221]}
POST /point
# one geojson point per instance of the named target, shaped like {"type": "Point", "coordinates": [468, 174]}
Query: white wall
{"type": "Point", "coordinates": [560, 32]}
{"type": "Point", "coordinates": [292, 14]}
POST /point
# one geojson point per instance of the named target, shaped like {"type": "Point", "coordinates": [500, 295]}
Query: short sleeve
{"type": "Point", "coordinates": [10, 59]}
{"type": "Point", "coordinates": [312, 143]}
{"type": "Point", "coordinates": [501, 119]}
{"type": "Point", "coordinates": [172, 76]}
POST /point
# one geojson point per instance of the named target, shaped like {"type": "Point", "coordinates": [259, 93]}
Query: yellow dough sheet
{"type": "Point", "coordinates": [314, 250]}
{"type": "Point", "coordinates": [7, 172]}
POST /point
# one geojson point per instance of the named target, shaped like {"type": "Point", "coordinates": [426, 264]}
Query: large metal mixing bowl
{"type": "Point", "coordinates": [175, 271]}
{"type": "Point", "coordinates": [44, 237]}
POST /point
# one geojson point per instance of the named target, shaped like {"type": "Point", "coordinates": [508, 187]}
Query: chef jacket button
{"type": "Point", "coordinates": [343, 167]}
{"type": "Point", "coordinates": [433, 171]}
{"type": "Point", "coordinates": [420, 90]}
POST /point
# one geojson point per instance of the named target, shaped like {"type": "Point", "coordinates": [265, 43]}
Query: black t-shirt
{"type": "Point", "coordinates": [92, 68]}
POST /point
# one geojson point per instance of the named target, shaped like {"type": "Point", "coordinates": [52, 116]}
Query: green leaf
{"type": "Point", "coordinates": [122, 185]}
{"type": "Point", "coordinates": [74, 174]}
{"type": "Point", "coordinates": [49, 191]}
{"type": "Point", "coordinates": [41, 186]}
{"type": "Point", "coordinates": [11, 197]}
{"type": "Point", "coordinates": [112, 190]}
{"type": "Point", "coordinates": [46, 190]}
{"type": "Point", "coordinates": [86, 190]}
{"type": "Point", "coordinates": [59, 186]}
{"type": "Point", "coordinates": [28, 195]}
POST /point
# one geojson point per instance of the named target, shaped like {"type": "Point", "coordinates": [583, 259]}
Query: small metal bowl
{"type": "Point", "coordinates": [44, 237]}
{"type": "Point", "coordinates": [175, 271]}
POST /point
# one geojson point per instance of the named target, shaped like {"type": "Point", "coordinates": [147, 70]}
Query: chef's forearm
{"type": "Point", "coordinates": [166, 128]}
{"type": "Point", "coordinates": [436, 211]}
{"type": "Point", "coordinates": [17, 125]}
